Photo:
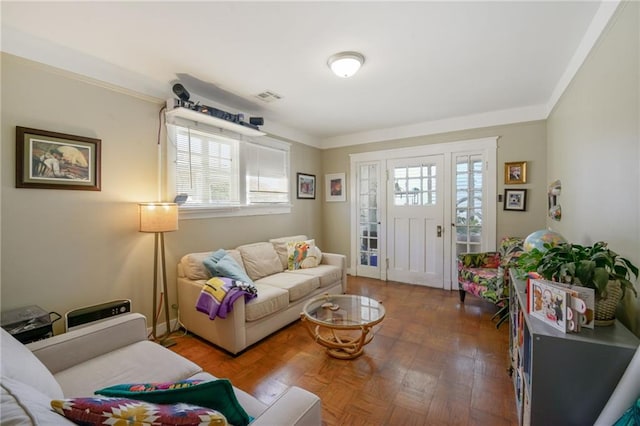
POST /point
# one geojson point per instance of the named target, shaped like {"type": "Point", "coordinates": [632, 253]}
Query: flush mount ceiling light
{"type": "Point", "coordinates": [345, 64]}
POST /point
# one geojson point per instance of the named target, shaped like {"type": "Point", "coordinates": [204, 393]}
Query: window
{"type": "Point", "coordinates": [226, 175]}
{"type": "Point", "coordinates": [415, 185]}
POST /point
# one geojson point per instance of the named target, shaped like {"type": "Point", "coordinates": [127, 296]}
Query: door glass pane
{"type": "Point", "coordinates": [469, 203]}
{"type": "Point", "coordinates": [415, 185]}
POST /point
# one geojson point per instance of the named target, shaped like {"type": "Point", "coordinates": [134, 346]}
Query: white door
{"type": "Point", "coordinates": [415, 209]}
{"type": "Point", "coordinates": [369, 220]}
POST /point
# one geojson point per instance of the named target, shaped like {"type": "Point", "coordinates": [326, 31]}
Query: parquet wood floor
{"type": "Point", "coordinates": [433, 361]}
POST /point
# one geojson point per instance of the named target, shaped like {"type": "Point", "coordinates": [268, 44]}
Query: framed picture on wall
{"type": "Point", "coordinates": [336, 187]}
{"type": "Point", "coordinates": [306, 186]}
{"type": "Point", "coordinates": [50, 160]}
{"type": "Point", "coordinates": [515, 173]}
{"type": "Point", "coordinates": [515, 199]}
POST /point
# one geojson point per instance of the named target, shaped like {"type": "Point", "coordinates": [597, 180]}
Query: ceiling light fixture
{"type": "Point", "coordinates": [345, 64]}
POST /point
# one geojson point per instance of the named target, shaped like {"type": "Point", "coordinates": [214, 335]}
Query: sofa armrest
{"type": "Point", "coordinates": [66, 350]}
{"type": "Point", "coordinates": [295, 407]}
{"type": "Point", "coordinates": [339, 260]}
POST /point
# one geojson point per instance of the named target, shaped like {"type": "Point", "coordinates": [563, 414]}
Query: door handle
{"type": "Point", "coordinates": [439, 231]}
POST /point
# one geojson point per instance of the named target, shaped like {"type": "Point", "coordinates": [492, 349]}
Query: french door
{"type": "Point", "coordinates": [369, 219]}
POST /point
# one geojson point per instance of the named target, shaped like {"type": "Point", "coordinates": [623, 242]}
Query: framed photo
{"type": "Point", "coordinates": [515, 199]}
{"type": "Point", "coordinates": [336, 187]}
{"type": "Point", "coordinates": [50, 160]}
{"type": "Point", "coordinates": [515, 173]}
{"type": "Point", "coordinates": [306, 186]}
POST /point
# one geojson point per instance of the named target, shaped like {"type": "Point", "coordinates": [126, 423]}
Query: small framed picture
{"type": "Point", "coordinates": [336, 187]}
{"type": "Point", "coordinates": [515, 173]}
{"type": "Point", "coordinates": [49, 160]}
{"type": "Point", "coordinates": [515, 199]}
{"type": "Point", "coordinates": [306, 186]}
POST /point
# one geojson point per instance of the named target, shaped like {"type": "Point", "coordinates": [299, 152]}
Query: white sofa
{"type": "Point", "coordinates": [116, 351]}
{"type": "Point", "coordinates": [281, 293]}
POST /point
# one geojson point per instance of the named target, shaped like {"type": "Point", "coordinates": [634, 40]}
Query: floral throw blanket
{"type": "Point", "coordinates": [218, 294]}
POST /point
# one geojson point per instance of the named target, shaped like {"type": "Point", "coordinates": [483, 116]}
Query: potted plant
{"type": "Point", "coordinates": [597, 267]}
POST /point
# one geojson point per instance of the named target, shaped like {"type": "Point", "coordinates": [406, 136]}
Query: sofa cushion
{"type": "Point", "coordinates": [327, 274]}
{"type": "Point", "coordinates": [124, 365]}
{"type": "Point", "coordinates": [280, 246]}
{"type": "Point", "coordinates": [21, 364]}
{"type": "Point", "coordinates": [298, 285]}
{"type": "Point", "coordinates": [270, 299]}
{"type": "Point", "coordinates": [297, 252]}
{"type": "Point", "coordinates": [193, 266]}
{"type": "Point", "coordinates": [260, 260]}
{"type": "Point", "coordinates": [215, 394]}
{"type": "Point", "coordinates": [24, 405]}
{"type": "Point", "coordinates": [105, 410]}
{"type": "Point", "coordinates": [222, 264]}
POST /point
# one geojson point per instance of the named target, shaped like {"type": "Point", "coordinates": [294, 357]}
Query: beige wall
{"type": "Point", "coordinates": [594, 142]}
{"type": "Point", "coordinates": [68, 249]}
{"type": "Point", "coordinates": [518, 142]}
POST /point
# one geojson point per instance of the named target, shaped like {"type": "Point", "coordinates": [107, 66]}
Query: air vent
{"type": "Point", "coordinates": [268, 96]}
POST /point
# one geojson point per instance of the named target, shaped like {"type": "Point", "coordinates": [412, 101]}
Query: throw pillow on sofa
{"type": "Point", "coordinates": [297, 252]}
{"type": "Point", "coordinates": [313, 259]}
{"type": "Point", "coordinates": [214, 394]}
{"type": "Point", "coordinates": [222, 264]}
{"type": "Point", "coordinates": [106, 410]}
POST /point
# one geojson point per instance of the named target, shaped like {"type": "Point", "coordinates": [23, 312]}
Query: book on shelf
{"type": "Point", "coordinates": [564, 307]}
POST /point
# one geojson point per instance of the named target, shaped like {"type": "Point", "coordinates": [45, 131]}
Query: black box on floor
{"type": "Point", "coordinates": [28, 324]}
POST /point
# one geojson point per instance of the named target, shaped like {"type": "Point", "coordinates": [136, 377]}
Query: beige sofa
{"type": "Point", "coordinates": [115, 351]}
{"type": "Point", "coordinates": [281, 293]}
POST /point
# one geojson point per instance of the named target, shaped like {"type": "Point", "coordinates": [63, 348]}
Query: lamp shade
{"type": "Point", "coordinates": [345, 64]}
{"type": "Point", "coordinates": [158, 217]}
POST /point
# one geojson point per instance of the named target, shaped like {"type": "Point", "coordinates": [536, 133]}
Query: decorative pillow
{"type": "Point", "coordinates": [222, 264]}
{"type": "Point", "coordinates": [313, 259]}
{"type": "Point", "coordinates": [214, 394]}
{"type": "Point", "coordinates": [297, 252]}
{"type": "Point", "coordinates": [104, 410]}
{"type": "Point", "coordinates": [280, 245]}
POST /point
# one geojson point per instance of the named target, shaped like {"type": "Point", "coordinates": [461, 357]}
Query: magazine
{"type": "Point", "coordinates": [563, 306]}
{"type": "Point", "coordinates": [584, 305]}
{"type": "Point", "coordinates": [548, 303]}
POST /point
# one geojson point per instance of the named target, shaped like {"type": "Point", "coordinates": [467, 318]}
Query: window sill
{"type": "Point", "coordinates": [195, 212]}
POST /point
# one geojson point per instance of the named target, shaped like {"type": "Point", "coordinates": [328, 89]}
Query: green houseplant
{"type": "Point", "coordinates": [595, 266]}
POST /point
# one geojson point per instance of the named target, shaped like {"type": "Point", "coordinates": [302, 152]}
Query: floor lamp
{"type": "Point", "coordinates": [159, 218]}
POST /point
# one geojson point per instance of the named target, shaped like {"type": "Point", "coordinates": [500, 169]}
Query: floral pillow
{"type": "Point", "coordinates": [101, 410]}
{"type": "Point", "coordinates": [215, 394]}
{"type": "Point", "coordinates": [297, 252]}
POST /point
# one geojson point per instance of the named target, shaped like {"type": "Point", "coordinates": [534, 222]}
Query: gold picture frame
{"type": "Point", "coordinates": [515, 172]}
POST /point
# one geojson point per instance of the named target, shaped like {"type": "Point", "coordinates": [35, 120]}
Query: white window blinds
{"type": "Point", "coordinates": [223, 171]}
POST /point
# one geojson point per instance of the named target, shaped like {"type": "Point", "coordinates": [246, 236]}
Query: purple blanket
{"type": "Point", "coordinates": [218, 294]}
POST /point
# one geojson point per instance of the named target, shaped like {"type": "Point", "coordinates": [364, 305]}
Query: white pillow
{"type": "Point", "coordinates": [21, 364]}
{"type": "Point", "coordinates": [24, 405]}
{"type": "Point", "coordinates": [313, 259]}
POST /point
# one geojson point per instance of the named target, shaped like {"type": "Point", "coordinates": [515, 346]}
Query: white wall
{"type": "Point", "coordinates": [593, 143]}
{"type": "Point", "coordinates": [65, 249]}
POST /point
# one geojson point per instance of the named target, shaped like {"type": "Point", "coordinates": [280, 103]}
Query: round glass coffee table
{"type": "Point", "coordinates": [342, 322]}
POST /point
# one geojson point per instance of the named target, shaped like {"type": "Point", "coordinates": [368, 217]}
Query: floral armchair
{"type": "Point", "coordinates": [486, 275]}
